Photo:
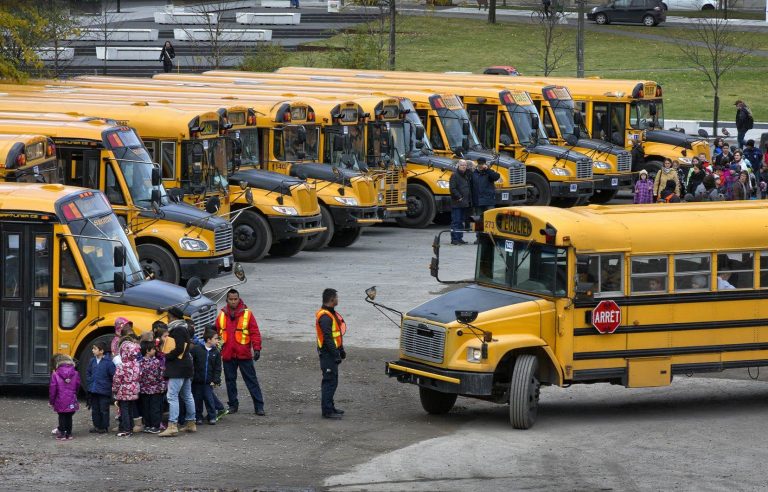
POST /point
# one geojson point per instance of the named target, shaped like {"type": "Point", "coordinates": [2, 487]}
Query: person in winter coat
{"type": "Point", "coordinates": [166, 56]}
{"type": "Point", "coordinates": [744, 121]}
{"type": "Point", "coordinates": [695, 176]}
{"type": "Point", "coordinates": [151, 387]}
{"type": "Point", "coordinates": [643, 188]}
{"type": "Point", "coordinates": [62, 393]}
{"type": "Point", "coordinates": [668, 194]}
{"type": "Point", "coordinates": [241, 347]}
{"type": "Point", "coordinates": [667, 173]}
{"type": "Point", "coordinates": [717, 147]}
{"type": "Point", "coordinates": [98, 387]}
{"type": "Point", "coordinates": [681, 177]}
{"type": "Point", "coordinates": [460, 187]}
{"type": "Point", "coordinates": [707, 191]}
{"type": "Point", "coordinates": [207, 362]}
{"type": "Point", "coordinates": [763, 180]}
{"type": "Point", "coordinates": [123, 330]}
{"type": "Point", "coordinates": [179, 371]}
{"type": "Point", "coordinates": [125, 386]}
{"type": "Point", "coordinates": [741, 188]}
{"type": "Point", "coordinates": [753, 155]}
{"type": "Point", "coordinates": [724, 158]}
{"type": "Point", "coordinates": [484, 186]}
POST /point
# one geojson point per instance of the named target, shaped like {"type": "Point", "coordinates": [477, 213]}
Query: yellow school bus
{"type": "Point", "coordinates": [628, 294]}
{"type": "Point", "coordinates": [68, 272]}
{"type": "Point", "coordinates": [28, 159]}
{"type": "Point", "coordinates": [175, 241]}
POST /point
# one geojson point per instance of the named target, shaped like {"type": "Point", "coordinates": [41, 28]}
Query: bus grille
{"type": "Point", "coordinates": [204, 318]}
{"type": "Point", "coordinates": [223, 239]}
{"type": "Point", "coordinates": [423, 341]}
{"type": "Point", "coordinates": [584, 169]}
{"type": "Point", "coordinates": [624, 161]}
{"type": "Point", "coordinates": [517, 176]}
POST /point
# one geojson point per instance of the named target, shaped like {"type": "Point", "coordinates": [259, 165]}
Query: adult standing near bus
{"type": "Point", "coordinates": [241, 347]}
{"type": "Point", "coordinates": [330, 328]}
{"type": "Point", "coordinates": [166, 56]}
{"type": "Point", "coordinates": [484, 186]}
{"type": "Point", "coordinates": [179, 371]}
{"type": "Point", "coordinates": [744, 122]}
{"type": "Point", "coordinates": [667, 173]}
{"type": "Point", "coordinates": [460, 187]}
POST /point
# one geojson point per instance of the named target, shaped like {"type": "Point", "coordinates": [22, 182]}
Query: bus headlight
{"type": "Point", "coordinates": [601, 165]}
{"type": "Point", "coordinates": [349, 202]}
{"type": "Point", "coordinates": [403, 196]}
{"type": "Point", "coordinates": [285, 210]}
{"type": "Point", "coordinates": [381, 197]}
{"type": "Point", "coordinates": [474, 355]}
{"type": "Point", "coordinates": [441, 183]}
{"type": "Point", "coordinates": [189, 244]}
{"type": "Point", "coordinates": [559, 171]}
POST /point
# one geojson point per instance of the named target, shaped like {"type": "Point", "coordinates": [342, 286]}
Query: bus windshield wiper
{"type": "Point", "coordinates": [525, 254]}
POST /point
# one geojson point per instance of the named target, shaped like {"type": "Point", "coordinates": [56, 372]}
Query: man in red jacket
{"type": "Point", "coordinates": [241, 341]}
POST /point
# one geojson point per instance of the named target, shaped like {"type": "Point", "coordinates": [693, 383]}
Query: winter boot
{"type": "Point", "coordinates": [189, 426]}
{"type": "Point", "coordinates": [171, 431]}
{"type": "Point", "coordinates": [138, 426]}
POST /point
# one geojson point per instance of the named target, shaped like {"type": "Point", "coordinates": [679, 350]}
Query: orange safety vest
{"type": "Point", "coordinates": [338, 329]}
{"type": "Point", "coordinates": [244, 335]}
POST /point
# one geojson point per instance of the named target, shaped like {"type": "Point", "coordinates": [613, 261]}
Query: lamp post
{"type": "Point", "coordinates": [580, 40]}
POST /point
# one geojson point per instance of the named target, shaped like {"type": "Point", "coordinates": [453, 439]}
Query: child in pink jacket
{"type": "Point", "coordinates": [125, 386]}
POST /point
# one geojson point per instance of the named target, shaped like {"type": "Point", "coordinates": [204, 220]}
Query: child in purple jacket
{"type": "Point", "coordinates": [65, 381]}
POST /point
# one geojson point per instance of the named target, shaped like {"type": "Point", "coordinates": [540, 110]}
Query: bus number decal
{"type": "Point", "coordinates": [514, 224]}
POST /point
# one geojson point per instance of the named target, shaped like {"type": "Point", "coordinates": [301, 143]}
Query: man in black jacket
{"type": "Point", "coordinates": [484, 186]}
{"type": "Point", "coordinates": [179, 371]}
{"type": "Point", "coordinates": [330, 328]}
{"type": "Point", "coordinates": [744, 122]}
{"type": "Point", "coordinates": [460, 187]}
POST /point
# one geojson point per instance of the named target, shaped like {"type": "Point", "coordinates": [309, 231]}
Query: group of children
{"type": "Point", "coordinates": [131, 372]}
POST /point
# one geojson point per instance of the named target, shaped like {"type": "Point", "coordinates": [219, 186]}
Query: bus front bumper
{"type": "Point", "coordinates": [287, 227]}
{"type": "Point", "coordinates": [442, 203]}
{"type": "Point", "coordinates": [510, 196]}
{"type": "Point", "coordinates": [206, 268]}
{"type": "Point", "coordinates": [393, 212]}
{"type": "Point", "coordinates": [571, 189]}
{"type": "Point", "coordinates": [612, 182]}
{"type": "Point", "coordinates": [460, 382]}
{"type": "Point", "coordinates": [346, 217]}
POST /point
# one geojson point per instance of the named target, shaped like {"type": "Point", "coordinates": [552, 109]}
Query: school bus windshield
{"type": "Point", "coordinates": [453, 121]}
{"type": "Point", "coordinates": [563, 110]}
{"type": "Point", "coordinates": [135, 164]}
{"type": "Point", "coordinates": [98, 252]}
{"type": "Point", "coordinates": [340, 154]}
{"type": "Point", "coordinates": [523, 118]}
{"type": "Point", "coordinates": [641, 117]}
{"type": "Point", "coordinates": [521, 265]}
{"type": "Point", "coordinates": [295, 148]}
{"type": "Point", "coordinates": [250, 141]}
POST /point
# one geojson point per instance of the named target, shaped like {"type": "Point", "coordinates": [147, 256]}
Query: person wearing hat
{"type": "Point", "coordinates": [643, 188]}
{"type": "Point", "coordinates": [744, 121]}
{"type": "Point", "coordinates": [484, 186]}
{"type": "Point", "coordinates": [460, 187]}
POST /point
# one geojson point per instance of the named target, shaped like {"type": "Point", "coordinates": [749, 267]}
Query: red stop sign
{"type": "Point", "coordinates": [606, 317]}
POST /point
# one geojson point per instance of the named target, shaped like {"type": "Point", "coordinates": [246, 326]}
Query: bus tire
{"type": "Point", "coordinates": [252, 237]}
{"type": "Point", "coordinates": [321, 239]}
{"type": "Point", "coordinates": [86, 354]}
{"type": "Point", "coordinates": [436, 402]}
{"type": "Point", "coordinates": [565, 202]}
{"type": "Point", "coordinates": [538, 192]}
{"type": "Point", "coordinates": [524, 392]}
{"type": "Point", "coordinates": [346, 237]}
{"type": "Point", "coordinates": [653, 167]}
{"type": "Point", "coordinates": [160, 262]}
{"type": "Point", "coordinates": [288, 247]}
{"type": "Point", "coordinates": [421, 207]}
{"type": "Point", "coordinates": [602, 196]}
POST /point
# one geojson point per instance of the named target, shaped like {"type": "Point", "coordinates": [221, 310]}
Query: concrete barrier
{"type": "Point", "coordinates": [128, 53]}
{"type": "Point", "coordinates": [234, 35]}
{"type": "Point", "coordinates": [285, 18]}
{"type": "Point", "coordinates": [276, 4]}
{"type": "Point", "coordinates": [177, 17]}
{"type": "Point", "coordinates": [692, 127]}
{"type": "Point", "coordinates": [91, 34]}
{"type": "Point", "coordinates": [49, 54]}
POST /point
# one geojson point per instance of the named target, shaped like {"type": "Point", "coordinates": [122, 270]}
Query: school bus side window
{"type": "Point", "coordinates": [434, 135]}
{"type": "Point", "coordinates": [692, 272]}
{"type": "Point", "coordinates": [112, 188]}
{"type": "Point", "coordinates": [649, 275]}
{"type": "Point", "coordinates": [764, 269]}
{"type": "Point", "coordinates": [604, 272]}
{"type": "Point", "coordinates": [69, 276]}
{"type": "Point", "coordinates": [735, 270]}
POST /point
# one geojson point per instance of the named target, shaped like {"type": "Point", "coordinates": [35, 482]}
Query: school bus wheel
{"type": "Point", "coordinates": [160, 262]}
{"type": "Point", "coordinates": [436, 402]}
{"type": "Point", "coordinates": [321, 239]}
{"type": "Point", "coordinates": [524, 392]}
{"type": "Point", "coordinates": [346, 237]}
{"type": "Point", "coordinates": [538, 190]}
{"type": "Point", "coordinates": [85, 354]}
{"type": "Point", "coordinates": [421, 207]}
{"type": "Point", "coordinates": [252, 236]}
{"type": "Point", "coordinates": [602, 196]}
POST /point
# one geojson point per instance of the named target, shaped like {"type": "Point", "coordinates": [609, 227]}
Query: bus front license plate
{"type": "Point", "coordinates": [226, 262]}
{"type": "Point", "coordinates": [615, 182]}
{"type": "Point", "coordinates": [504, 197]}
{"type": "Point", "coordinates": [574, 188]}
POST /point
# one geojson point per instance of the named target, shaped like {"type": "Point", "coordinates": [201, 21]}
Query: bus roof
{"type": "Point", "coordinates": [654, 229]}
{"type": "Point", "coordinates": [34, 197]}
{"type": "Point", "coordinates": [91, 130]}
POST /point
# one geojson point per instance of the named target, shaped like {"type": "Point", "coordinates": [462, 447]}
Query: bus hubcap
{"type": "Point", "coordinates": [244, 237]}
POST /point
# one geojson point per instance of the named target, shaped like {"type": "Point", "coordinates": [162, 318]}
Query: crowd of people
{"type": "Point", "coordinates": [472, 187]}
{"type": "Point", "coordinates": [165, 367]}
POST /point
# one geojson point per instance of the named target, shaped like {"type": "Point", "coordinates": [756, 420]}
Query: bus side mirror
{"type": "Point", "coordinates": [155, 196]}
{"type": "Point", "coordinates": [465, 127]}
{"type": "Point", "coordinates": [194, 287]}
{"type": "Point", "coordinates": [419, 134]}
{"type": "Point", "coordinates": [535, 121]}
{"type": "Point", "coordinates": [239, 272]}
{"type": "Point", "coordinates": [212, 205]}
{"type": "Point", "coordinates": [118, 279]}
{"type": "Point", "coordinates": [176, 195]}
{"type": "Point", "coordinates": [119, 256]}
{"type": "Point", "coordinates": [652, 108]}
{"type": "Point", "coordinates": [436, 245]}
{"type": "Point", "coordinates": [301, 134]}
{"type": "Point", "coordinates": [434, 266]}
{"type": "Point", "coordinates": [465, 143]}
{"type": "Point", "coordinates": [237, 146]}
{"type": "Point", "coordinates": [466, 317]}
{"type": "Point", "coordinates": [571, 139]}
{"type": "Point", "coordinates": [703, 133]}
{"type": "Point", "coordinates": [578, 118]}
{"type": "Point", "coordinates": [155, 176]}
{"type": "Point", "coordinates": [370, 293]}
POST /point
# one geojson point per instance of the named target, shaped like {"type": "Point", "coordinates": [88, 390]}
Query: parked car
{"type": "Point", "coordinates": [689, 4]}
{"type": "Point", "coordinates": [647, 12]}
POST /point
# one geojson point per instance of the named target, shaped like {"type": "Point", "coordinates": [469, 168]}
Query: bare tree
{"type": "Point", "coordinates": [714, 50]}
{"type": "Point", "coordinates": [556, 41]}
{"type": "Point", "coordinates": [219, 44]}
{"type": "Point", "coordinates": [492, 12]}
{"type": "Point", "coordinates": [104, 25]}
{"type": "Point", "coordinates": [58, 30]}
